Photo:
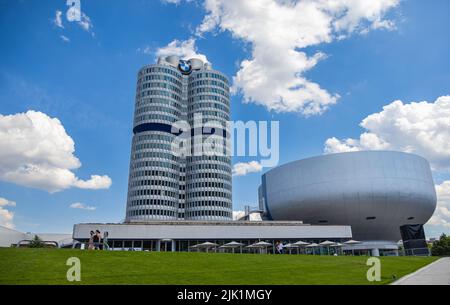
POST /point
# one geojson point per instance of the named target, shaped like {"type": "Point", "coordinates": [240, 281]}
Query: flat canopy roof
{"type": "Point", "coordinates": [193, 230]}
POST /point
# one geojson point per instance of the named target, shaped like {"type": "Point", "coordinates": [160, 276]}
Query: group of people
{"type": "Point", "coordinates": [97, 241]}
{"type": "Point", "coordinates": [279, 247]}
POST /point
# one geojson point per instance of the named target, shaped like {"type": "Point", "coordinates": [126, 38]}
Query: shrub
{"type": "Point", "coordinates": [36, 242]}
{"type": "Point", "coordinates": [441, 247]}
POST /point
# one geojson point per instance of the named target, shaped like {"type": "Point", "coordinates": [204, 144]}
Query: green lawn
{"type": "Point", "coordinates": [48, 266]}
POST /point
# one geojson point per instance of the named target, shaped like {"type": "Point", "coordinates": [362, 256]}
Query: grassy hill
{"type": "Point", "coordinates": [48, 266]}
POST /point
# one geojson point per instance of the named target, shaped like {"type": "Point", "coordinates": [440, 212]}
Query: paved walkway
{"type": "Point", "coordinates": [436, 273]}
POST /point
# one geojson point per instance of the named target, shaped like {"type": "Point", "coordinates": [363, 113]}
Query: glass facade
{"type": "Point", "coordinates": [162, 185]}
{"type": "Point", "coordinates": [187, 245]}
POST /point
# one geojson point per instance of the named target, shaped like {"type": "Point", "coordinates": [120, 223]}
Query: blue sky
{"type": "Point", "coordinates": [88, 83]}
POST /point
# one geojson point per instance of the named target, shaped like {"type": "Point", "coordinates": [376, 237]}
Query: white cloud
{"type": "Point", "coordinates": [74, 15]}
{"type": "Point", "coordinates": [418, 127]}
{"type": "Point", "coordinates": [64, 38]}
{"type": "Point", "coordinates": [171, 1]}
{"type": "Point", "coordinates": [360, 14]}
{"type": "Point", "coordinates": [82, 206]}
{"type": "Point", "coordinates": [441, 217]}
{"type": "Point", "coordinates": [37, 152]}
{"type": "Point", "coordinates": [6, 216]}
{"type": "Point", "coordinates": [86, 23]}
{"type": "Point", "coordinates": [176, 2]}
{"type": "Point", "coordinates": [277, 31]}
{"type": "Point", "coordinates": [242, 168]}
{"type": "Point", "coordinates": [383, 24]}
{"type": "Point", "coordinates": [58, 20]}
{"type": "Point", "coordinates": [184, 49]}
{"type": "Point", "coordinates": [7, 203]}
{"type": "Point", "coordinates": [145, 50]}
{"type": "Point", "coordinates": [94, 183]}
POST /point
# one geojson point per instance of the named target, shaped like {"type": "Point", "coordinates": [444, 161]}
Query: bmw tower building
{"type": "Point", "coordinates": [164, 185]}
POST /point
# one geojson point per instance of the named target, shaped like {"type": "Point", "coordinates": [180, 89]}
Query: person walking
{"type": "Point", "coordinates": [276, 248]}
{"type": "Point", "coordinates": [105, 240]}
{"type": "Point", "coordinates": [281, 246]}
{"type": "Point", "coordinates": [91, 241]}
{"type": "Point", "coordinates": [96, 239]}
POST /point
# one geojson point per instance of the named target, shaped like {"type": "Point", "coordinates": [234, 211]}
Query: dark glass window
{"type": "Point", "coordinates": [137, 244]}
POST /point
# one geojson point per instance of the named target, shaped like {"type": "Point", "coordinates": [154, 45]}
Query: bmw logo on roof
{"type": "Point", "coordinates": [184, 67]}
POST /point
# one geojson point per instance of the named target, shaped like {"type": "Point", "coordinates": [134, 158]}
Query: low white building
{"type": "Point", "coordinates": [9, 237]}
{"type": "Point", "coordinates": [182, 235]}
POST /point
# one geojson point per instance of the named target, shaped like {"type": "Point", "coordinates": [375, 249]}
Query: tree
{"type": "Point", "coordinates": [36, 242]}
{"type": "Point", "coordinates": [442, 246]}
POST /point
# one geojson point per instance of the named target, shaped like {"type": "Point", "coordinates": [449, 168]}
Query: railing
{"type": "Point", "coordinates": [248, 211]}
{"type": "Point", "coordinates": [415, 252]}
{"type": "Point", "coordinates": [26, 242]}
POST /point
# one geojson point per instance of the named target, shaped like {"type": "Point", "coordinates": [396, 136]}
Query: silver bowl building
{"type": "Point", "coordinates": [375, 192]}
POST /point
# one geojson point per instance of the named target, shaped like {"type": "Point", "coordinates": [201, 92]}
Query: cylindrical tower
{"type": "Point", "coordinates": [154, 179]}
{"type": "Point", "coordinates": [208, 177]}
{"type": "Point", "coordinates": [163, 185]}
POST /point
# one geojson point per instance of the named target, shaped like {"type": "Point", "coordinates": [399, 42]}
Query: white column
{"type": "Point", "coordinates": [174, 246]}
